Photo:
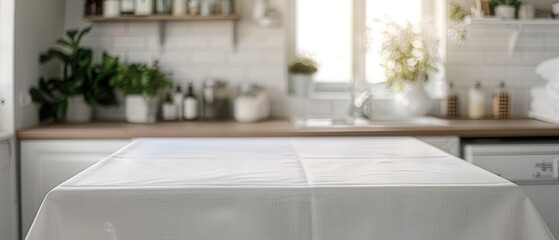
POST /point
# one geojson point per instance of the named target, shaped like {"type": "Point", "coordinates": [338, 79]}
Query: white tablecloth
{"type": "Point", "coordinates": [286, 189]}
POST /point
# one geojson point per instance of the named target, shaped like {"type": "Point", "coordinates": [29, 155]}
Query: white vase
{"type": "Point", "coordinates": [413, 101]}
{"type": "Point", "coordinates": [141, 109]}
{"type": "Point", "coordinates": [300, 85]}
{"type": "Point", "coordinates": [78, 110]}
{"type": "Point", "coordinates": [505, 12]}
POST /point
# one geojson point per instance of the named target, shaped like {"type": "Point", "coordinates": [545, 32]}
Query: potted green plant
{"type": "Point", "coordinates": [409, 55]}
{"type": "Point", "coordinates": [506, 9]}
{"type": "Point", "coordinates": [301, 72]}
{"type": "Point", "coordinates": [82, 84]}
{"type": "Point", "coordinates": [141, 85]}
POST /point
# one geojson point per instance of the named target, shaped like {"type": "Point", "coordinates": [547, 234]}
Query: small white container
{"type": "Point", "coordinates": [144, 7]}
{"type": "Point", "coordinates": [505, 12]}
{"type": "Point", "coordinates": [179, 7]}
{"type": "Point", "coordinates": [476, 102]}
{"type": "Point", "coordinates": [190, 110]}
{"type": "Point", "coordinates": [252, 104]}
{"type": "Point", "coordinates": [111, 8]}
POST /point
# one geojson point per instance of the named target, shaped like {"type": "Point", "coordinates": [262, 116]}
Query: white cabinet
{"type": "Point", "coordinates": [8, 200]}
{"type": "Point", "coordinates": [450, 144]}
{"type": "Point", "coordinates": [47, 163]}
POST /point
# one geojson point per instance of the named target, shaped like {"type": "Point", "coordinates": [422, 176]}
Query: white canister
{"type": "Point", "coordinates": [111, 8]}
{"type": "Point", "coordinates": [527, 11]}
{"type": "Point", "coordinates": [179, 7]}
{"type": "Point", "coordinates": [252, 104]}
{"type": "Point", "coordinates": [144, 7]}
{"type": "Point", "coordinates": [476, 102]}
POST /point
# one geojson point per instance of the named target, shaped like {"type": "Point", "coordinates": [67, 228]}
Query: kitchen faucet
{"type": "Point", "coordinates": [360, 107]}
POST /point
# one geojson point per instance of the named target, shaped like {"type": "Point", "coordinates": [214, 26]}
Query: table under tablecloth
{"type": "Point", "coordinates": [286, 189]}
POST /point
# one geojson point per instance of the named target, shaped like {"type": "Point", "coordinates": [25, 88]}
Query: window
{"type": "Point", "coordinates": [345, 36]}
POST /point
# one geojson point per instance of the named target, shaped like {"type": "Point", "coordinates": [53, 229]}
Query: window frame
{"type": "Point", "coordinates": [358, 80]}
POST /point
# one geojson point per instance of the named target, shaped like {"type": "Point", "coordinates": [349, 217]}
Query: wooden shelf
{"type": "Point", "coordinates": [516, 22]}
{"type": "Point", "coordinates": [132, 18]}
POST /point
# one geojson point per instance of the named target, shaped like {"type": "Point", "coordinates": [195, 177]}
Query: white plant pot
{"type": "Point", "coordinates": [141, 109]}
{"type": "Point", "coordinates": [78, 110]}
{"type": "Point", "coordinates": [413, 101]}
{"type": "Point", "coordinates": [300, 85]}
{"type": "Point", "coordinates": [505, 12]}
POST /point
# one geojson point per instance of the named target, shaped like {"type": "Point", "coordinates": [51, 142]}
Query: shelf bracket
{"type": "Point", "coordinates": [161, 36]}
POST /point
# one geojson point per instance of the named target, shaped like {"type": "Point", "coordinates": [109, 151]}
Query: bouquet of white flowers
{"type": "Point", "coordinates": [409, 54]}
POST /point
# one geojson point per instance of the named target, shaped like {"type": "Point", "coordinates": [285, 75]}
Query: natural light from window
{"type": "Point", "coordinates": [324, 31]}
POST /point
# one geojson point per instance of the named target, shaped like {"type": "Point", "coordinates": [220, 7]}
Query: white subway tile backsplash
{"type": "Point", "coordinates": [522, 75]}
{"type": "Point", "coordinates": [130, 43]}
{"type": "Point", "coordinates": [139, 58]}
{"type": "Point", "coordinates": [266, 75]}
{"type": "Point", "coordinates": [208, 58]}
{"type": "Point", "coordinates": [143, 29]}
{"type": "Point", "coordinates": [502, 59]}
{"type": "Point", "coordinates": [534, 58]}
{"type": "Point", "coordinates": [110, 29]}
{"type": "Point", "coordinates": [231, 74]}
{"type": "Point", "coordinates": [530, 44]}
{"type": "Point", "coordinates": [552, 43]}
{"type": "Point", "coordinates": [221, 43]}
{"type": "Point", "coordinates": [244, 58]}
{"type": "Point", "coordinates": [174, 44]}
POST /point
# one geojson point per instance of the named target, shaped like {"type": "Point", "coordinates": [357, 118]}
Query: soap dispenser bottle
{"type": "Point", "coordinates": [476, 102]}
{"type": "Point", "coordinates": [190, 104]}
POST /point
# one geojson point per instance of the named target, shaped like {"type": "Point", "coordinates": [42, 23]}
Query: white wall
{"type": "Point", "coordinates": [7, 65]}
{"type": "Point", "coordinates": [38, 23]}
{"type": "Point", "coordinates": [484, 57]}
{"type": "Point", "coordinates": [194, 51]}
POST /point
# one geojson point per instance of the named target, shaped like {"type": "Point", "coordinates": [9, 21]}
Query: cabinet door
{"type": "Point", "coordinates": [46, 164]}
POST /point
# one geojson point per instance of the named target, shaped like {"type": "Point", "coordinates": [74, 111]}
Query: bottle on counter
{"type": "Point", "coordinates": [127, 6]}
{"type": "Point", "coordinates": [169, 109]}
{"type": "Point", "coordinates": [215, 100]}
{"type": "Point", "coordinates": [500, 102]}
{"type": "Point", "coordinates": [190, 104]}
{"type": "Point", "coordinates": [450, 107]}
{"type": "Point", "coordinates": [94, 7]}
{"type": "Point", "coordinates": [476, 102]}
{"type": "Point", "coordinates": [178, 98]}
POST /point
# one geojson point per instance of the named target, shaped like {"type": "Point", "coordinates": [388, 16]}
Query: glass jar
{"type": "Point", "coordinates": [164, 6]}
{"type": "Point", "coordinates": [215, 100]}
{"type": "Point", "coordinates": [93, 7]}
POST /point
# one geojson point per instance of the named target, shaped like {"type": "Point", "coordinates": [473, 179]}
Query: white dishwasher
{"type": "Point", "coordinates": [533, 166]}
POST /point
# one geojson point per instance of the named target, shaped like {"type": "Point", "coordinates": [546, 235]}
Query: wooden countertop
{"type": "Point", "coordinates": [283, 128]}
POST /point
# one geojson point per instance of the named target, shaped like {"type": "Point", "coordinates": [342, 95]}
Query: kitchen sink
{"type": "Point", "coordinates": [366, 123]}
